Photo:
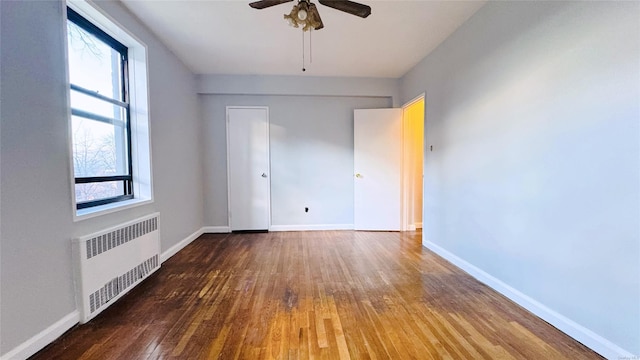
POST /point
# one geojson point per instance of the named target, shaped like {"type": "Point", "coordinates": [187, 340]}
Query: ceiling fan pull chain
{"type": "Point", "coordinates": [303, 69]}
{"type": "Point", "coordinates": [310, 47]}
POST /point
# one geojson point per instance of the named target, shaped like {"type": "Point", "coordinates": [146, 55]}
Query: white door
{"type": "Point", "coordinates": [377, 169]}
{"type": "Point", "coordinates": [248, 168]}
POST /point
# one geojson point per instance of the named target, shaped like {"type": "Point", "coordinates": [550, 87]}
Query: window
{"type": "Point", "coordinates": [100, 114]}
{"type": "Point", "coordinates": [109, 134]}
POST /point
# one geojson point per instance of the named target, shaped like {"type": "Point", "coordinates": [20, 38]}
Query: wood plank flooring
{"type": "Point", "coordinates": [313, 295]}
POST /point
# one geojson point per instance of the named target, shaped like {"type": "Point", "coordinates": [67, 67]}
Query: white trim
{"type": "Point", "coordinates": [181, 245]}
{"type": "Point", "coordinates": [418, 225]}
{"type": "Point", "coordinates": [587, 337]}
{"type": "Point", "coordinates": [216, 230]}
{"type": "Point", "coordinates": [414, 100]}
{"type": "Point", "coordinates": [92, 212]}
{"type": "Point", "coordinates": [189, 239]}
{"type": "Point", "coordinates": [410, 227]}
{"type": "Point", "coordinates": [226, 129]}
{"type": "Point", "coordinates": [96, 15]}
{"type": "Point", "coordinates": [43, 338]}
{"type": "Point", "coordinates": [319, 227]}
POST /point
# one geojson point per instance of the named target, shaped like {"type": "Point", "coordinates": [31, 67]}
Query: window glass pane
{"type": "Point", "coordinates": [100, 129]}
{"type": "Point", "coordinates": [97, 191]}
{"type": "Point", "coordinates": [99, 149]}
{"type": "Point", "coordinates": [93, 64]}
{"type": "Point", "coordinates": [88, 103]}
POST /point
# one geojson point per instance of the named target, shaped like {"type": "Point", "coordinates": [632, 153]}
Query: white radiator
{"type": "Point", "coordinates": [112, 261]}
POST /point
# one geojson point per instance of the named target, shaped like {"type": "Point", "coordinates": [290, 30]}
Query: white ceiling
{"type": "Point", "coordinates": [229, 37]}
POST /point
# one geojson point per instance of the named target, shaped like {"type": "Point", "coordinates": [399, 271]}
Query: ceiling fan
{"type": "Point", "coordinates": [305, 13]}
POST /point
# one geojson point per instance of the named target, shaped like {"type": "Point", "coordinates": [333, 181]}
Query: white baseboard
{"type": "Point", "coordinates": [216, 229]}
{"type": "Point", "coordinates": [43, 338]}
{"type": "Point", "coordinates": [48, 335]}
{"type": "Point", "coordinates": [587, 337]}
{"type": "Point", "coordinates": [179, 246]}
{"type": "Point", "coordinates": [418, 225]}
{"type": "Point", "coordinates": [311, 227]}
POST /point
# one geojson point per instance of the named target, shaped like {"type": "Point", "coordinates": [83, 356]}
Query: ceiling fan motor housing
{"type": "Point", "coordinates": [304, 14]}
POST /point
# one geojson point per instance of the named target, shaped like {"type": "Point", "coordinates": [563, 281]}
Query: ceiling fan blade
{"type": "Point", "coordinates": [315, 17]}
{"type": "Point", "coordinates": [263, 4]}
{"type": "Point", "coordinates": [350, 7]}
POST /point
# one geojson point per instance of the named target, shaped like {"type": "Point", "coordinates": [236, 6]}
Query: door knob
{"type": "Point", "coordinates": [264, 175]}
{"type": "Point", "coordinates": [359, 176]}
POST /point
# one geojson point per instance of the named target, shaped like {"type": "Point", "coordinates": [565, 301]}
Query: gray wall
{"type": "Point", "coordinates": [36, 214]}
{"type": "Point", "coordinates": [311, 148]}
{"type": "Point", "coordinates": [533, 112]}
{"type": "Point", "coordinates": [311, 141]}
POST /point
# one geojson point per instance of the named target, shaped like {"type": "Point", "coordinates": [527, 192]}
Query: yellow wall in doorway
{"type": "Point", "coordinates": [414, 155]}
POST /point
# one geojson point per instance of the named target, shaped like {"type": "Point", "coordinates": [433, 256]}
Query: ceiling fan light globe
{"type": "Point", "coordinates": [302, 14]}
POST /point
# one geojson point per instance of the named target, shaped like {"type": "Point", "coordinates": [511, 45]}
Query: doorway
{"type": "Point", "coordinates": [388, 167]}
{"type": "Point", "coordinates": [412, 163]}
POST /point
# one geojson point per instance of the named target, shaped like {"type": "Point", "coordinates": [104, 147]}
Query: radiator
{"type": "Point", "coordinates": [111, 262]}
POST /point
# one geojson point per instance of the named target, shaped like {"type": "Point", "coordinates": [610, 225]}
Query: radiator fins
{"type": "Point", "coordinates": [121, 283]}
{"type": "Point", "coordinates": [108, 241]}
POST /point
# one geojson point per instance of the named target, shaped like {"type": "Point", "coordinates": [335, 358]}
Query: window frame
{"type": "Point", "coordinates": [124, 103]}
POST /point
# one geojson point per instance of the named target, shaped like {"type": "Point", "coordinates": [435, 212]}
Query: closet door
{"type": "Point", "coordinates": [248, 168]}
{"type": "Point", "coordinates": [377, 162]}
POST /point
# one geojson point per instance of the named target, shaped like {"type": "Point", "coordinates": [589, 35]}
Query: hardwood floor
{"type": "Point", "coordinates": [304, 295]}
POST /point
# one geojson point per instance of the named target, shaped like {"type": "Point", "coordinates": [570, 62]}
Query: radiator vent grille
{"type": "Point", "coordinates": [114, 287]}
{"type": "Point", "coordinates": [113, 261]}
{"type": "Point", "coordinates": [110, 240]}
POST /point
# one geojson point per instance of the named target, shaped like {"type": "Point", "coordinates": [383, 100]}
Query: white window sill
{"type": "Point", "coordinates": [92, 212]}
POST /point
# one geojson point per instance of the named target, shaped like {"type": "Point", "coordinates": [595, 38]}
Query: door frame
{"type": "Point", "coordinates": [405, 176]}
{"type": "Point", "coordinates": [229, 162]}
